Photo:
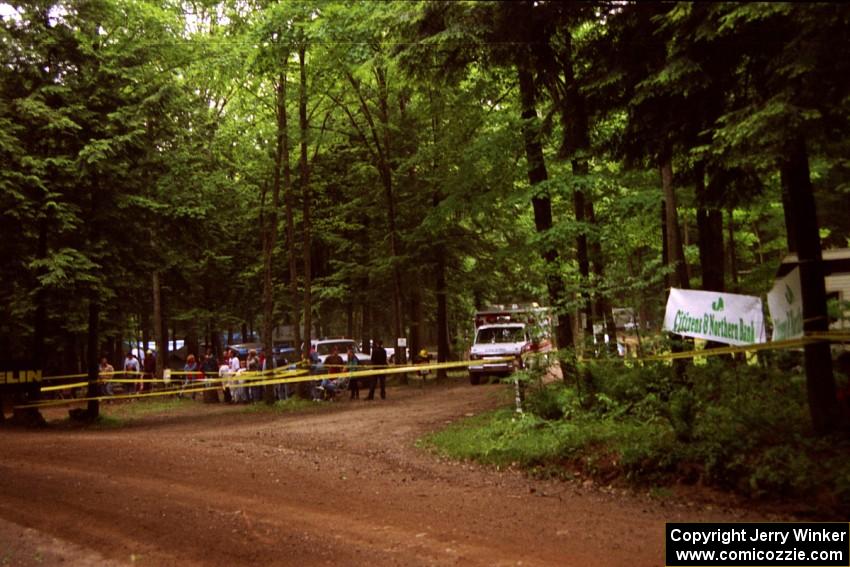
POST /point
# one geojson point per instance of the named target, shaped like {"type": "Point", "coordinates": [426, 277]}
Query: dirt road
{"type": "Point", "coordinates": [345, 485]}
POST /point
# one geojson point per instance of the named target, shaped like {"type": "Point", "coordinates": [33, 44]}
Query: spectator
{"type": "Point", "coordinates": [209, 368]}
{"type": "Point", "coordinates": [315, 369]}
{"type": "Point", "coordinates": [235, 366]}
{"type": "Point", "coordinates": [240, 395]}
{"type": "Point", "coordinates": [252, 365]}
{"type": "Point", "coordinates": [149, 365]}
{"type": "Point", "coordinates": [224, 374]}
{"type": "Point", "coordinates": [105, 374]}
{"type": "Point", "coordinates": [353, 383]}
{"type": "Point", "coordinates": [281, 391]}
{"type": "Point", "coordinates": [191, 369]}
{"type": "Point", "coordinates": [379, 360]}
{"type": "Point", "coordinates": [335, 365]}
{"type": "Point", "coordinates": [423, 358]}
{"type": "Point", "coordinates": [131, 369]}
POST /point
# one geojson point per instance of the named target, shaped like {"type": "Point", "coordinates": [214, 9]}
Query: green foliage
{"type": "Point", "coordinates": [135, 138]}
{"type": "Point", "coordinates": [736, 426]}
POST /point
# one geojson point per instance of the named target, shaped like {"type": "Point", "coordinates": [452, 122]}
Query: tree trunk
{"type": "Point", "coordinates": [270, 236]}
{"type": "Point", "coordinates": [674, 235]}
{"type": "Point", "coordinates": [820, 383]}
{"type": "Point", "coordinates": [542, 207]}
{"type": "Point", "coordinates": [304, 180]}
{"type": "Point", "coordinates": [604, 309]}
{"type": "Point", "coordinates": [290, 222]}
{"type": "Point", "coordinates": [733, 257]}
{"type": "Point", "coordinates": [93, 409]}
{"type": "Point", "coordinates": [665, 249]}
{"type": "Point", "coordinates": [387, 180]}
{"type": "Point", "coordinates": [349, 318]}
{"type": "Point", "coordinates": [366, 323]}
{"type": "Point", "coordinates": [440, 287]}
{"type": "Point", "coordinates": [710, 235]}
{"type": "Point", "coordinates": [158, 326]}
{"type": "Point", "coordinates": [33, 416]}
{"type": "Point", "coordinates": [443, 352]}
{"type": "Point", "coordinates": [415, 343]}
{"type": "Point", "coordinates": [788, 209]}
{"type": "Point", "coordinates": [581, 254]}
{"type": "Point", "coordinates": [574, 142]}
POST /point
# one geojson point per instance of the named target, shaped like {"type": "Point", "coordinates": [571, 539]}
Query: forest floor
{"type": "Point", "coordinates": [331, 484]}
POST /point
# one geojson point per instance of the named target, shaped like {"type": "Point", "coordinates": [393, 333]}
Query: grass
{"type": "Point", "coordinates": [144, 407]}
{"type": "Point", "coordinates": [742, 429]}
{"type": "Point", "coordinates": [109, 422]}
{"type": "Point", "coordinates": [505, 438]}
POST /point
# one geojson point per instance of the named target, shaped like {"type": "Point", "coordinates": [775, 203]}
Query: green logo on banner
{"type": "Point", "coordinates": [717, 305]}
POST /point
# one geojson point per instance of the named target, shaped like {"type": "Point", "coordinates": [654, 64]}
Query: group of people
{"type": "Point", "coordinates": [326, 388]}
{"type": "Point", "coordinates": [136, 378]}
{"type": "Point", "coordinates": [231, 372]}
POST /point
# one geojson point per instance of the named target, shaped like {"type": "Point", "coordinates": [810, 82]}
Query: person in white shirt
{"type": "Point", "coordinates": [131, 370]}
{"type": "Point", "coordinates": [237, 391]}
{"type": "Point", "coordinates": [224, 375]}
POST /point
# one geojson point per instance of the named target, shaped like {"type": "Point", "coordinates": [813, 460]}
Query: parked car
{"type": "Point", "coordinates": [284, 354]}
{"type": "Point", "coordinates": [325, 346]}
{"type": "Point", "coordinates": [390, 353]}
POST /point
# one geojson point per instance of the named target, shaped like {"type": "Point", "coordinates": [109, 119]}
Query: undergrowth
{"type": "Point", "coordinates": [725, 424]}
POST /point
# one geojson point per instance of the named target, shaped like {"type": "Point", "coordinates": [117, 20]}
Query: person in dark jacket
{"type": "Point", "coordinates": [379, 360]}
{"type": "Point", "coordinates": [353, 383]}
{"type": "Point", "coordinates": [149, 367]}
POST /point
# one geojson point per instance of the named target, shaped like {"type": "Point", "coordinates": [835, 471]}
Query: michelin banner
{"type": "Point", "coordinates": [785, 302]}
{"type": "Point", "coordinates": [722, 317]}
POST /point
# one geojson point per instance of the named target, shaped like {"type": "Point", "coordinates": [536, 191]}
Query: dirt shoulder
{"type": "Point", "coordinates": [345, 485]}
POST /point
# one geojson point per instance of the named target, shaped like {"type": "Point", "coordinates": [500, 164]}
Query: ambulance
{"type": "Point", "coordinates": [504, 335]}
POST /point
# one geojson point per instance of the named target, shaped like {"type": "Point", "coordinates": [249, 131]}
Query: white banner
{"type": "Point", "coordinates": [785, 302]}
{"type": "Point", "coordinates": [722, 317]}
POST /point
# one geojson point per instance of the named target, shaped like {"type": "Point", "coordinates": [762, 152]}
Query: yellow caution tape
{"type": "Point", "coordinates": [792, 343]}
{"type": "Point", "coordinates": [257, 379]}
{"type": "Point", "coordinates": [773, 345]}
{"type": "Point", "coordinates": [64, 386]}
{"type": "Point", "coordinates": [831, 336]}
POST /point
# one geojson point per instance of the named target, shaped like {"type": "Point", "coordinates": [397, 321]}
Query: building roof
{"type": "Point", "coordinates": [835, 261]}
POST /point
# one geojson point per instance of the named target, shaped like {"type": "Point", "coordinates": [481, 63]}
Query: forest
{"type": "Point", "coordinates": [213, 170]}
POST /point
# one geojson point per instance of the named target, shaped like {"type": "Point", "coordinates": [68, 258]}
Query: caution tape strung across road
{"type": "Point", "coordinates": [773, 345]}
{"type": "Point", "coordinates": [289, 376]}
{"type": "Point", "coordinates": [257, 379]}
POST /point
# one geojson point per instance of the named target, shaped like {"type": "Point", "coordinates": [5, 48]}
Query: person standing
{"type": "Point", "coordinates": [252, 364]}
{"type": "Point", "coordinates": [105, 375]}
{"type": "Point", "coordinates": [209, 368]}
{"type": "Point", "coordinates": [378, 360]}
{"type": "Point", "coordinates": [236, 386]}
{"type": "Point", "coordinates": [224, 374]}
{"type": "Point", "coordinates": [149, 366]}
{"type": "Point", "coordinates": [191, 369]}
{"type": "Point", "coordinates": [131, 370]}
{"type": "Point", "coordinates": [353, 383]}
{"type": "Point", "coordinates": [315, 369]}
{"type": "Point", "coordinates": [423, 359]}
